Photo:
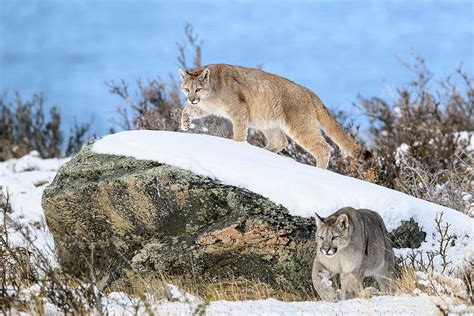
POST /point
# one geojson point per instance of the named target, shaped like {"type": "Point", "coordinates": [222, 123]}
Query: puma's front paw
{"type": "Point", "coordinates": [185, 123]}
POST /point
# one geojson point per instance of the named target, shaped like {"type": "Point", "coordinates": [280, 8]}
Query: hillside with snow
{"type": "Point", "coordinates": [300, 188]}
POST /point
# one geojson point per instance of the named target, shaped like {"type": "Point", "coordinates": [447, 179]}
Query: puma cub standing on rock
{"type": "Point", "coordinates": [270, 103]}
{"type": "Point", "coordinates": [355, 244]}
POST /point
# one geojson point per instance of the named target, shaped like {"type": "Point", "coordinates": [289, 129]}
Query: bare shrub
{"type": "Point", "coordinates": [422, 140]}
{"type": "Point", "coordinates": [196, 45]}
{"type": "Point", "coordinates": [432, 272]}
{"type": "Point", "coordinates": [25, 126]}
{"type": "Point", "coordinates": [449, 187]}
{"type": "Point", "coordinates": [154, 107]}
{"type": "Point", "coordinates": [29, 276]}
{"type": "Point", "coordinates": [428, 262]}
{"type": "Point", "coordinates": [427, 125]}
{"type": "Point", "coordinates": [78, 136]}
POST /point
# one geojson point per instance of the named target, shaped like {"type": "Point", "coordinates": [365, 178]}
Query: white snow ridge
{"type": "Point", "coordinates": [302, 189]}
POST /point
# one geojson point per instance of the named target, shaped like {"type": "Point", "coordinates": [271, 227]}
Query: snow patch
{"type": "Point", "coordinates": [466, 137]}
{"type": "Point", "coordinates": [25, 179]}
{"type": "Point", "coordinates": [401, 153]}
{"type": "Point", "coordinates": [178, 295]}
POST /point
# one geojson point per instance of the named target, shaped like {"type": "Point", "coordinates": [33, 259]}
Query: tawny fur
{"type": "Point", "coordinates": [251, 98]}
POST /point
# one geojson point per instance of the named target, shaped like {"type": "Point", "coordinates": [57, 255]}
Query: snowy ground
{"type": "Point", "coordinates": [120, 304]}
{"type": "Point", "coordinates": [381, 305]}
{"type": "Point", "coordinates": [305, 189]}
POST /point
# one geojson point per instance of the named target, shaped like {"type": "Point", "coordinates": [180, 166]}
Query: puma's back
{"type": "Point", "coordinates": [275, 105]}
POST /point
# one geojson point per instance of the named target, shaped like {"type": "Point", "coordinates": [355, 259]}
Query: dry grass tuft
{"type": "Point", "coordinates": [234, 289]}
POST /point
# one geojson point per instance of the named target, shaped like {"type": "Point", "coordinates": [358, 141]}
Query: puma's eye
{"type": "Point", "coordinates": [334, 237]}
{"type": "Point", "coordinates": [198, 89]}
{"type": "Point", "coordinates": [186, 89]}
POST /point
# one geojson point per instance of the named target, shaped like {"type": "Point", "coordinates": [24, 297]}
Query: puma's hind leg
{"type": "Point", "coordinates": [311, 139]}
{"type": "Point", "coordinates": [276, 140]}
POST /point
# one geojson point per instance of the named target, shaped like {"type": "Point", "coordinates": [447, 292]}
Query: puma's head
{"type": "Point", "coordinates": [195, 84]}
{"type": "Point", "coordinates": [333, 234]}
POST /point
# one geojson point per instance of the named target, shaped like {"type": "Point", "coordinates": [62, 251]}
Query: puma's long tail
{"type": "Point", "coordinates": [335, 131]}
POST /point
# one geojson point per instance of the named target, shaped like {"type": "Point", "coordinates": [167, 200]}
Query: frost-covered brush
{"type": "Point", "coordinates": [449, 187]}
{"type": "Point", "coordinates": [427, 119]}
{"type": "Point", "coordinates": [30, 278]}
{"type": "Point", "coordinates": [433, 269]}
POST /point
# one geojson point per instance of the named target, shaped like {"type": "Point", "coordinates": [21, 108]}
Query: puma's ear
{"type": "Point", "coordinates": [343, 221]}
{"type": "Point", "coordinates": [319, 220]}
{"type": "Point", "coordinates": [204, 76]}
{"type": "Point", "coordinates": [183, 74]}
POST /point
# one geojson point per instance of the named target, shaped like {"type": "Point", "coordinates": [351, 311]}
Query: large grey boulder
{"type": "Point", "coordinates": [119, 214]}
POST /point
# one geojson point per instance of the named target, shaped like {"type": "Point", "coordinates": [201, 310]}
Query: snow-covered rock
{"type": "Point", "coordinates": [300, 188]}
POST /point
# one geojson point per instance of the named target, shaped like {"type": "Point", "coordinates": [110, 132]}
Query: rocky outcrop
{"type": "Point", "coordinates": [119, 214]}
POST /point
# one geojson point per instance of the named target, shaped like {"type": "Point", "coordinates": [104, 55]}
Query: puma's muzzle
{"type": "Point", "coordinates": [194, 100]}
{"type": "Point", "coordinates": [329, 252]}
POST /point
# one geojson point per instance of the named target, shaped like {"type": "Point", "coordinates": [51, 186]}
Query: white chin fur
{"type": "Point", "coordinates": [329, 254]}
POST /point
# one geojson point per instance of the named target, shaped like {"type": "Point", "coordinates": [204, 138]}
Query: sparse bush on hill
{"type": "Point", "coordinates": [26, 126]}
{"type": "Point", "coordinates": [423, 139]}
{"type": "Point", "coordinates": [154, 106]}
{"type": "Point", "coordinates": [430, 125]}
{"type": "Point", "coordinates": [418, 273]}
{"type": "Point", "coordinates": [29, 277]}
